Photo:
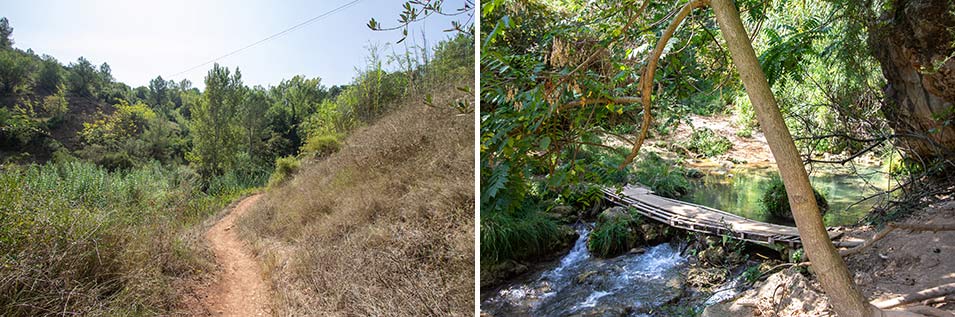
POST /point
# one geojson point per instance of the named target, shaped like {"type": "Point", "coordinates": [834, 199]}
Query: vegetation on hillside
{"type": "Point", "coordinates": [383, 226]}
{"type": "Point", "coordinates": [106, 186]}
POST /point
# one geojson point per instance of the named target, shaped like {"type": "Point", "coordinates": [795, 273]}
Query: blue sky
{"type": "Point", "coordinates": [143, 39]}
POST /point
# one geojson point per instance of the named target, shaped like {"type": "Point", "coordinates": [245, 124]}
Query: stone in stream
{"type": "Point", "coordinates": [564, 214]}
{"type": "Point", "coordinates": [694, 173]}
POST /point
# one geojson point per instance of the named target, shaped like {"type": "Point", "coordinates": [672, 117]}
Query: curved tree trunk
{"type": "Point", "coordinates": [913, 42]}
{"type": "Point", "coordinates": [828, 266]}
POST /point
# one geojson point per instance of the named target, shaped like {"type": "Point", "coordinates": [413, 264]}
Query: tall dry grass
{"type": "Point", "coordinates": [384, 227]}
{"type": "Point", "coordinates": [76, 239]}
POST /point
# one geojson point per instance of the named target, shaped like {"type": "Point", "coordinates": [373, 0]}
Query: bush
{"type": "Point", "coordinates": [665, 178]}
{"type": "Point", "coordinates": [81, 239]}
{"type": "Point", "coordinates": [321, 145]}
{"type": "Point", "coordinates": [17, 128]}
{"type": "Point", "coordinates": [55, 105]}
{"type": "Point", "coordinates": [776, 201]}
{"type": "Point", "coordinates": [615, 233]}
{"type": "Point", "coordinates": [582, 196]}
{"type": "Point", "coordinates": [284, 168]}
{"type": "Point", "coordinates": [744, 116]}
{"type": "Point", "coordinates": [507, 236]}
{"type": "Point", "coordinates": [708, 143]}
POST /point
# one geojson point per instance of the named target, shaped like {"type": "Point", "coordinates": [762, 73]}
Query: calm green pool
{"type": "Point", "coordinates": [740, 189]}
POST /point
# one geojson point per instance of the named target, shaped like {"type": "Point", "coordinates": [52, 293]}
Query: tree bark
{"type": "Point", "coordinates": [828, 266]}
{"type": "Point", "coordinates": [913, 43]}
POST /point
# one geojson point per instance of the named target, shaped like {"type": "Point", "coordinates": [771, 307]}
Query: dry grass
{"type": "Point", "coordinates": [384, 227]}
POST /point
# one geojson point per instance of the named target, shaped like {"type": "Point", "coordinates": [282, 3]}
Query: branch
{"type": "Point", "coordinates": [646, 80]}
{"type": "Point", "coordinates": [590, 59]}
{"type": "Point", "coordinates": [929, 293]}
{"type": "Point", "coordinates": [584, 102]}
{"type": "Point", "coordinates": [891, 227]}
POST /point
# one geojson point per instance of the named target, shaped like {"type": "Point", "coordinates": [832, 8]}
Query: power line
{"type": "Point", "coordinates": [316, 18]}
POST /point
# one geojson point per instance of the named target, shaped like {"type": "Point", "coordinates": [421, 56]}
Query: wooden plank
{"type": "Point", "coordinates": [698, 218]}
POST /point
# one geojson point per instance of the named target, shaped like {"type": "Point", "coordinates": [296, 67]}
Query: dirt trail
{"type": "Point", "coordinates": [241, 289]}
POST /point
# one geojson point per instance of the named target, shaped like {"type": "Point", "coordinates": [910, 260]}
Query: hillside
{"type": "Point", "coordinates": [116, 199]}
{"type": "Point", "coordinates": [383, 227]}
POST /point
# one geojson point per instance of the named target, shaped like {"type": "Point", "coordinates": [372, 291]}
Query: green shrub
{"type": "Point", "coordinates": [119, 242]}
{"type": "Point", "coordinates": [776, 202]}
{"type": "Point", "coordinates": [55, 105]}
{"type": "Point", "coordinates": [17, 128]}
{"type": "Point", "coordinates": [321, 145]}
{"type": "Point", "coordinates": [708, 143]}
{"type": "Point", "coordinates": [284, 168]}
{"type": "Point", "coordinates": [581, 196]}
{"type": "Point", "coordinates": [745, 133]}
{"type": "Point", "coordinates": [665, 178]}
{"type": "Point", "coordinates": [506, 236]}
{"type": "Point", "coordinates": [744, 116]}
{"type": "Point", "coordinates": [614, 234]}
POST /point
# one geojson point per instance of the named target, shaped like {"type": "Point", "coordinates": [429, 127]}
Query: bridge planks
{"type": "Point", "coordinates": [703, 219]}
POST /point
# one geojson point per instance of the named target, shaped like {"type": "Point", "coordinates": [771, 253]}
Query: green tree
{"type": "Point", "coordinates": [252, 117]}
{"type": "Point", "coordinates": [15, 70]}
{"type": "Point", "coordinates": [159, 91]}
{"type": "Point", "coordinates": [83, 77]}
{"type": "Point", "coordinates": [55, 105]}
{"type": "Point", "coordinates": [214, 128]}
{"type": "Point", "coordinates": [827, 264]}
{"type": "Point", "coordinates": [293, 101]}
{"type": "Point", "coordinates": [6, 32]}
{"type": "Point", "coordinates": [51, 75]}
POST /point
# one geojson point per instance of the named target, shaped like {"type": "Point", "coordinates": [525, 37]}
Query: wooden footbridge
{"type": "Point", "coordinates": [703, 219]}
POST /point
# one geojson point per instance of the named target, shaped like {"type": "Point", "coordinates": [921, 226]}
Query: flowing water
{"type": "Point", "coordinates": [635, 283]}
{"type": "Point", "coordinates": [630, 284]}
{"type": "Point", "coordinates": [739, 191]}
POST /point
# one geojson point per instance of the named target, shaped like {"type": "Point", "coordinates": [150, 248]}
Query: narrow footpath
{"type": "Point", "coordinates": [241, 289]}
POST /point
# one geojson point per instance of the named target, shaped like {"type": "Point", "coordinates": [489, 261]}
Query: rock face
{"type": "Point", "coordinates": [912, 42]}
{"type": "Point", "coordinates": [786, 293]}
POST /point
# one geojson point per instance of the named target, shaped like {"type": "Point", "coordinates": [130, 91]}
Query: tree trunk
{"type": "Point", "coordinates": [913, 43]}
{"type": "Point", "coordinates": [828, 266]}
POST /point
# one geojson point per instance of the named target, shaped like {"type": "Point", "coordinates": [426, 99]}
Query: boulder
{"type": "Point", "coordinates": [496, 274]}
{"type": "Point", "coordinates": [564, 213]}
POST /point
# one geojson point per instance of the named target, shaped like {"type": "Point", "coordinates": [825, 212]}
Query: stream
{"type": "Point", "coordinates": [631, 284]}
{"type": "Point", "coordinates": [637, 283]}
{"type": "Point", "coordinates": [740, 190]}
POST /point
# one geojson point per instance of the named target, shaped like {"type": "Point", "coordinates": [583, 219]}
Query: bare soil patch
{"type": "Point", "coordinates": [241, 289]}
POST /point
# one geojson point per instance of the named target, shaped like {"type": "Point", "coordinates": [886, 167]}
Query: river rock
{"type": "Point", "coordinates": [694, 173]}
{"type": "Point", "coordinates": [714, 255]}
{"type": "Point", "coordinates": [706, 278]}
{"type": "Point", "coordinates": [614, 214]}
{"type": "Point", "coordinates": [564, 213]}
{"type": "Point", "coordinates": [654, 233]}
{"type": "Point", "coordinates": [497, 273]}
{"type": "Point", "coordinates": [583, 276]}
{"type": "Point", "coordinates": [567, 237]}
